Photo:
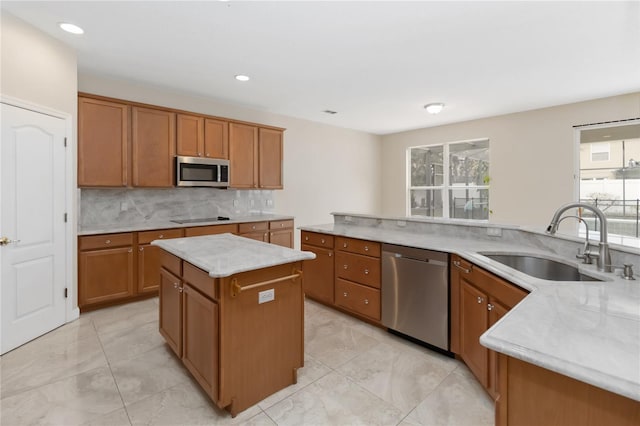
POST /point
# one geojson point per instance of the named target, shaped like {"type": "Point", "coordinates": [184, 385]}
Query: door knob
{"type": "Point", "coordinates": [5, 241]}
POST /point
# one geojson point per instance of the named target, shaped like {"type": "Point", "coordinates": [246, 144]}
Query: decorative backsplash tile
{"type": "Point", "coordinates": [131, 206]}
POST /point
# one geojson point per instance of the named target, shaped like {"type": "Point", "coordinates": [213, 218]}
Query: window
{"type": "Point", "coordinates": [600, 151]}
{"type": "Point", "coordinates": [449, 180]}
{"type": "Point", "coordinates": [610, 175]}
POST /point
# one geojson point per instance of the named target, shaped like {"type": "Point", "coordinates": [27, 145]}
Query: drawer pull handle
{"type": "Point", "coordinates": [366, 301]}
{"type": "Point", "coordinates": [345, 294]}
{"type": "Point", "coordinates": [108, 242]}
{"type": "Point", "coordinates": [366, 248]}
{"type": "Point", "coordinates": [480, 299]}
{"type": "Point", "coordinates": [458, 265]}
{"type": "Point", "coordinates": [366, 272]}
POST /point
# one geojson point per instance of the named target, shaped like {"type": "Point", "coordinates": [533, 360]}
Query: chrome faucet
{"type": "Point", "coordinates": [604, 255]}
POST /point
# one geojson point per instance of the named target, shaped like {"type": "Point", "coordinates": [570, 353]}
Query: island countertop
{"type": "Point", "coordinates": [224, 255]}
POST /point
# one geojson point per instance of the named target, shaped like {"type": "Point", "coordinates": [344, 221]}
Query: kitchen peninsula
{"type": "Point", "coordinates": [568, 353]}
{"type": "Point", "coordinates": [231, 309]}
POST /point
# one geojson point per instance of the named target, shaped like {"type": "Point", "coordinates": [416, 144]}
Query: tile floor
{"type": "Point", "coordinates": [111, 367]}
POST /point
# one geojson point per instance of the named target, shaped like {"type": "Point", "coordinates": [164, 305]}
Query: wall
{"type": "Point", "coordinates": [533, 158]}
{"type": "Point", "coordinates": [326, 168]}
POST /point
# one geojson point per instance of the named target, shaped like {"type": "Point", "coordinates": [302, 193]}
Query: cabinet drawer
{"type": "Point", "coordinates": [351, 245]}
{"type": "Point", "coordinates": [281, 224]}
{"type": "Point", "coordinates": [245, 228]}
{"type": "Point", "coordinates": [315, 239]}
{"type": "Point", "coordinates": [231, 228]}
{"type": "Point", "coordinates": [106, 241]}
{"type": "Point", "coordinates": [358, 298]}
{"type": "Point", "coordinates": [199, 280]}
{"type": "Point", "coordinates": [358, 268]}
{"type": "Point", "coordinates": [171, 263]}
{"type": "Point", "coordinates": [161, 234]}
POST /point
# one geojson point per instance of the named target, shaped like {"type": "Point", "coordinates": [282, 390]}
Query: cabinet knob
{"type": "Point", "coordinates": [161, 236]}
{"type": "Point", "coordinates": [271, 234]}
{"type": "Point", "coordinates": [266, 234]}
{"type": "Point", "coordinates": [207, 154]}
{"type": "Point", "coordinates": [345, 266]}
{"type": "Point", "coordinates": [366, 248]}
{"type": "Point", "coordinates": [366, 272]}
{"type": "Point", "coordinates": [344, 245]}
{"type": "Point", "coordinates": [130, 251]}
{"type": "Point", "coordinates": [175, 285]}
{"type": "Point", "coordinates": [330, 254]}
{"type": "Point", "coordinates": [253, 227]}
{"type": "Point", "coordinates": [282, 225]}
{"type": "Point", "coordinates": [489, 307]}
{"type": "Point", "coordinates": [306, 238]}
{"type": "Point", "coordinates": [366, 301]}
{"type": "Point", "coordinates": [199, 154]}
{"type": "Point", "coordinates": [345, 294]}
{"type": "Point", "coordinates": [480, 299]}
{"type": "Point", "coordinates": [322, 241]}
{"type": "Point", "coordinates": [141, 249]}
{"type": "Point", "coordinates": [108, 242]}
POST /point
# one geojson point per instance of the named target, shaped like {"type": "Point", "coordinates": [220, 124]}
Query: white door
{"type": "Point", "coordinates": [32, 225]}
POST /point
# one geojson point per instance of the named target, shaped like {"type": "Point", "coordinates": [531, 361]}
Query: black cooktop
{"type": "Point", "coordinates": [204, 219]}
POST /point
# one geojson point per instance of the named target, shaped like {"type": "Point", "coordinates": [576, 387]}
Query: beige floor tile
{"type": "Point", "coordinates": [125, 344]}
{"type": "Point", "coordinates": [148, 374]}
{"type": "Point", "coordinates": [400, 376]}
{"type": "Point", "coordinates": [459, 400]}
{"type": "Point", "coordinates": [124, 317]}
{"type": "Point", "coordinates": [260, 419]}
{"type": "Point", "coordinates": [312, 371]}
{"type": "Point", "coordinates": [115, 418]}
{"type": "Point", "coordinates": [334, 400]}
{"type": "Point", "coordinates": [71, 401]}
{"type": "Point", "coordinates": [183, 404]}
{"type": "Point", "coordinates": [67, 351]}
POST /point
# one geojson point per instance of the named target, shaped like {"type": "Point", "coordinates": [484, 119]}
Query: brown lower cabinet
{"type": "Point", "coordinates": [122, 267]}
{"type": "Point", "coordinates": [345, 274]}
{"type": "Point", "coordinates": [238, 350]}
{"type": "Point", "coordinates": [478, 300]}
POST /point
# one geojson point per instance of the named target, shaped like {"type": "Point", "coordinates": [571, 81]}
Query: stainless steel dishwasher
{"type": "Point", "coordinates": [415, 293]}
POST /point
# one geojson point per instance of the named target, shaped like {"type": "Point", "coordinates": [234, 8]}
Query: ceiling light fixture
{"type": "Point", "coordinates": [434, 108]}
{"type": "Point", "coordinates": [71, 28]}
{"type": "Point", "coordinates": [241, 77]}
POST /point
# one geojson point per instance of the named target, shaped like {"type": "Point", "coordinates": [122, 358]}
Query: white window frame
{"type": "Point", "coordinates": [446, 187]}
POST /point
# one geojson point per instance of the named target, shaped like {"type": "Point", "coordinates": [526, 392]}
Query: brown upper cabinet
{"type": "Point", "coordinates": [202, 137]}
{"type": "Point", "coordinates": [153, 147]}
{"type": "Point", "coordinates": [256, 157]}
{"type": "Point", "coordinates": [103, 142]}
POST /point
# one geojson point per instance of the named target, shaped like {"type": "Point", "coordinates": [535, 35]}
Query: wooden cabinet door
{"type": "Point", "coordinates": [318, 278]}
{"type": "Point", "coordinates": [243, 153]}
{"type": "Point", "coordinates": [216, 138]}
{"type": "Point", "coordinates": [282, 237]}
{"type": "Point", "coordinates": [270, 158]}
{"type": "Point", "coordinates": [200, 339]}
{"type": "Point", "coordinates": [171, 310]}
{"type": "Point", "coordinates": [190, 135]}
{"type": "Point", "coordinates": [105, 275]}
{"type": "Point", "coordinates": [496, 311]}
{"type": "Point", "coordinates": [258, 236]}
{"type": "Point", "coordinates": [153, 147]}
{"type": "Point", "coordinates": [473, 323]}
{"type": "Point", "coordinates": [196, 231]}
{"type": "Point", "coordinates": [148, 268]}
{"type": "Point", "coordinates": [103, 135]}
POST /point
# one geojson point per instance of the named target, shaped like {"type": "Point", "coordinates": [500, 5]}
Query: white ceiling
{"type": "Point", "coordinates": [375, 63]}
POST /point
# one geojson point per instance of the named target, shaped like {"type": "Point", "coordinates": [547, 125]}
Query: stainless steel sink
{"type": "Point", "coordinates": [539, 267]}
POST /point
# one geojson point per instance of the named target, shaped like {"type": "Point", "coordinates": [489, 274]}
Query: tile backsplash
{"type": "Point", "coordinates": [132, 206]}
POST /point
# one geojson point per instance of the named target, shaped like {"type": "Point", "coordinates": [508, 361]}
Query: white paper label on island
{"type": "Point", "coordinates": [266, 296]}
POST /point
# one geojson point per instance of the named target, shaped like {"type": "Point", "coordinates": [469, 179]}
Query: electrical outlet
{"type": "Point", "coordinates": [266, 296]}
{"type": "Point", "coordinates": [494, 232]}
{"type": "Point", "coordinates": [348, 219]}
{"type": "Point", "coordinates": [270, 202]}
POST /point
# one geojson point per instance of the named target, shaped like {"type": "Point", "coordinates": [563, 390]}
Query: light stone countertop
{"type": "Point", "coordinates": [224, 255]}
{"type": "Point", "coordinates": [148, 225]}
{"type": "Point", "coordinates": [587, 330]}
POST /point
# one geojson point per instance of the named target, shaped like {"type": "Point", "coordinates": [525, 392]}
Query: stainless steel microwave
{"type": "Point", "coordinates": [198, 171]}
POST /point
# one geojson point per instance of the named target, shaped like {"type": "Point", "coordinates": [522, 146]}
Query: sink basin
{"type": "Point", "coordinates": [539, 267]}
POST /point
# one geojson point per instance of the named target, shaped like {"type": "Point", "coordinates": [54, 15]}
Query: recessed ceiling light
{"type": "Point", "coordinates": [71, 28]}
{"type": "Point", "coordinates": [241, 77]}
{"type": "Point", "coordinates": [434, 108]}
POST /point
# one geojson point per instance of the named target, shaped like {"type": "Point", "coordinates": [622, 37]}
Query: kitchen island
{"type": "Point", "coordinates": [232, 310]}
